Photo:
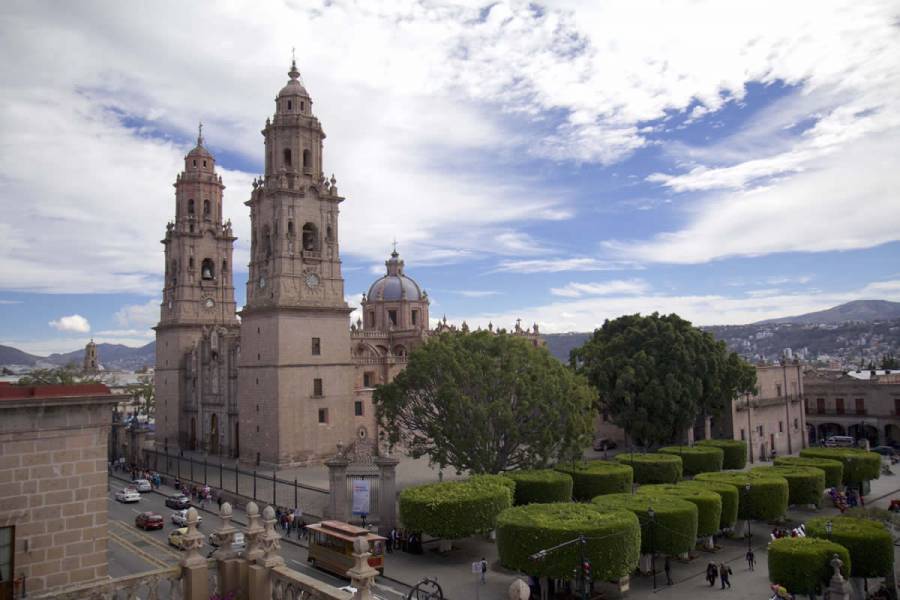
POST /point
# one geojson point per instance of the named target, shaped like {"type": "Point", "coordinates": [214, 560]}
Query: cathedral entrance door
{"type": "Point", "coordinates": [214, 435]}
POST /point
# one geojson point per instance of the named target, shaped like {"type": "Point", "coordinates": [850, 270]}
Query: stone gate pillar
{"type": "Point", "coordinates": [338, 506]}
{"type": "Point", "coordinates": [387, 496]}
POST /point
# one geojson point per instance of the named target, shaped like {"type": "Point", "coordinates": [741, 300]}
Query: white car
{"type": "Point", "coordinates": [237, 545]}
{"type": "Point", "coordinates": [179, 517]}
{"type": "Point", "coordinates": [142, 485]}
{"type": "Point", "coordinates": [128, 495]}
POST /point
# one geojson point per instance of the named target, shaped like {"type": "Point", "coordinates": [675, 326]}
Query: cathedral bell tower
{"type": "Point", "coordinates": [295, 379]}
{"type": "Point", "coordinates": [198, 292]}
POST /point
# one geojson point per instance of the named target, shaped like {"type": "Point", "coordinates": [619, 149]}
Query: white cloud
{"type": "Point", "coordinates": [588, 313]}
{"type": "Point", "coordinates": [71, 323]}
{"type": "Point", "coordinates": [604, 288]}
{"type": "Point", "coordinates": [556, 265]}
{"type": "Point", "coordinates": [477, 293]}
{"type": "Point", "coordinates": [138, 315]}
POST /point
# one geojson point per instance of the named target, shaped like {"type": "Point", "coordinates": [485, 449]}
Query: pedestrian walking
{"type": "Point", "coordinates": [483, 570]}
{"type": "Point", "coordinates": [219, 500]}
{"type": "Point", "coordinates": [711, 573]}
{"type": "Point", "coordinates": [668, 569]}
{"type": "Point", "coordinates": [751, 560]}
{"type": "Point", "coordinates": [724, 572]}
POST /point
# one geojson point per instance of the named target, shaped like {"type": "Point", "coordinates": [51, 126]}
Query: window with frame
{"type": "Point", "coordinates": [7, 560]}
{"type": "Point", "coordinates": [759, 429]}
{"type": "Point", "coordinates": [316, 346]}
{"type": "Point", "coordinates": [796, 423]}
{"type": "Point", "coordinates": [368, 379]}
{"type": "Point", "coordinates": [778, 390]}
{"type": "Point", "coordinates": [743, 435]}
{"type": "Point", "coordinates": [414, 317]}
{"type": "Point", "coordinates": [839, 405]}
{"type": "Point", "coordinates": [358, 408]}
{"type": "Point", "coordinates": [317, 387]}
{"type": "Point", "coordinates": [820, 406]}
{"type": "Point", "coordinates": [860, 406]}
{"type": "Point", "coordinates": [780, 426]}
{"type": "Point", "coordinates": [392, 317]}
{"type": "Point", "coordinates": [323, 415]}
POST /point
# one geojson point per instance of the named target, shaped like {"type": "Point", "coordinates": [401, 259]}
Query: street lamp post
{"type": "Point", "coordinates": [652, 514]}
{"type": "Point", "coordinates": [749, 531]}
{"type": "Point", "coordinates": [828, 528]}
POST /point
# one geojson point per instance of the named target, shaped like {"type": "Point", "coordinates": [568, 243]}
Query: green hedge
{"type": "Point", "coordinates": [869, 543]}
{"type": "Point", "coordinates": [834, 469]}
{"type": "Point", "coordinates": [859, 465]}
{"type": "Point", "coordinates": [613, 546]}
{"type": "Point", "coordinates": [768, 496]}
{"type": "Point", "coordinates": [596, 477]}
{"type": "Point", "coordinates": [497, 479]}
{"type": "Point", "coordinates": [697, 459]}
{"type": "Point", "coordinates": [709, 503]}
{"type": "Point", "coordinates": [455, 509]}
{"type": "Point", "coordinates": [802, 564]}
{"type": "Point", "coordinates": [806, 485]}
{"type": "Point", "coordinates": [653, 468]}
{"type": "Point", "coordinates": [676, 520]}
{"type": "Point", "coordinates": [542, 486]}
{"type": "Point", "coordinates": [735, 452]}
{"type": "Point", "coordinates": [728, 494]}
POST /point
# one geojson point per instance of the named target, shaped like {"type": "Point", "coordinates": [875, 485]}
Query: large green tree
{"type": "Point", "coordinates": [656, 374]}
{"type": "Point", "coordinates": [486, 403]}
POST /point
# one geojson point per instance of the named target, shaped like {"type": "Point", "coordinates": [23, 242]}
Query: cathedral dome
{"type": "Point", "coordinates": [395, 285]}
{"type": "Point", "coordinates": [294, 87]}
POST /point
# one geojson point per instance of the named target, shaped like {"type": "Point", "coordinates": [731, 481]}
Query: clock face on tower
{"type": "Point", "coordinates": [312, 281]}
{"type": "Point", "coordinates": [209, 303]}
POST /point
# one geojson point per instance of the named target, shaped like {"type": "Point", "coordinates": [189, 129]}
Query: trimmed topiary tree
{"type": "Point", "coordinates": [697, 459]}
{"type": "Point", "coordinates": [806, 485]}
{"type": "Point", "coordinates": [653, 468]}
{"type": "Point", "coordinates": [834, 469]}
{"type": "Point", "coordinates": [802, 564]}
{"type": "Point", "coordinates": [709, 503]}
{"type": "Point", "coordinates": [859, 465]}
{"type": "Point", "coordinates": [768, 496]}
{"type": "Point", "coordinates": [675, 529]}
{"type": "Point", "coordinates": [735, 452]}
{"type": "Point", "coordinates": [541, 486]}
{"type": "Point", "coordinates": [596, 477]}
{"type": "Point", "coordinates": [613, 539]}
{"type": "Point", "coordinates": [727, 492]}
{"type": "Point", "coordinates": [454, 509]}
{"type": "Point", "coordinates": [869, 543]}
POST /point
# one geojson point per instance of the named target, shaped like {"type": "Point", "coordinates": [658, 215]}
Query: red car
{"type": "Point", "coordinates": [149, 520]}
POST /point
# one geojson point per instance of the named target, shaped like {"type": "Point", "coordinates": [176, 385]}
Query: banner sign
{"type": "Point", "coordinates": [360, 502]}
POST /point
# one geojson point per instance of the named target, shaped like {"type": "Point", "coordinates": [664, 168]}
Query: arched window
{"type": "Point", "coordinates": [307, 159]}
{"type": "Point", "coordinates": [310, 237]}
{"type": "Point", "coordinates": [287, 157]}
{"type": "Point", "coordinates": [290, 229]}
{"type": "Point", "coordinates": [329, 234]}
{"type": "Point", "coordinates": [289, 104]}
{"type": "Point", "coordinates": [267, 242]}
{"type": "Point", "coordinates": [191, 207]}
{"type": "Point", "coordinates": [174, 271]}
{"type": "Point", "coordinates": [191, 263]}
{"type": "Point", "coordinates": [206, 209]}
{"type": "Point", "coordinates": [207, 270]}
{"type": "Point", "coordinates": [224, 267]}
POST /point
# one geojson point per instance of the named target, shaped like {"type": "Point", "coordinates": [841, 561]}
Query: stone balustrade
{"type": "Point", "coordinates": [258, 573]}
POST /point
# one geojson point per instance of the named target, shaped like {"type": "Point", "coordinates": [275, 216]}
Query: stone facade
{"type": "Point", "coordinates": [858, 403]}
{"type": "Point", "coordinates": [53, 482]}
{"type": "Point", "coordinates": [293, 379]}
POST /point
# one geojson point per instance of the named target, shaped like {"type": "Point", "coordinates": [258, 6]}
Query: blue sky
{"type": "Point", "coordinates": [562, 162]}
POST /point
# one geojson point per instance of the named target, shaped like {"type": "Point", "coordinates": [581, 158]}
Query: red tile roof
{"type": "Point", "coordinates": [9, 391]}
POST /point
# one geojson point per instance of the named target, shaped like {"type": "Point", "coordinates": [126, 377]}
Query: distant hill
{"type": "Point", "coordinates": [858, 310]}
{"type": "Point", "coordinates": [114, 357]}
{"type": "Point", "coordinates": [14, 356]}
{"type": "Point", "coordinates": [561, 344]}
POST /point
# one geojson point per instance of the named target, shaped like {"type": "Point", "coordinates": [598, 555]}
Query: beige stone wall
{"type": "Point", "coordinates": [53, 485]}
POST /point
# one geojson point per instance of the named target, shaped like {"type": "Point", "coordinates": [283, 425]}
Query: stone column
{"type": "Point", "coordinates": [338, 507]}
{"type": "Point", "coordinates": [387, 498]}
{"type": "Point", "coordinates": [362, 576]}
{"type": "Point", "coordinates": [195, 576]}
{"type": "Point", "coordinates": [252, 547]}
{"type": "Point", "coordinates": [227, 558]}
{"type": "Point", "coordinates": [266, 559]}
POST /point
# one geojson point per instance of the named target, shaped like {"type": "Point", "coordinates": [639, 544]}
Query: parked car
{"type": "Point", "coordinates": [179, 517]}
{"type": "Point", "coordinates": [884, 450]}
{"type": "Point", "coordinates": [840, 441]}
{"type": "Point", "coordinates": [176, 537]}
{"type": "Point", "coordinates": [149, 520]}
{"type": "Point", "coordinates": [142, 485]}
{"type": "Point", "coordinates": [604, 444]}
{"type": "Point", "coordinates": [128, 495]}
{"type": "Point", "coordinates": [237, 545]}
{"type": "Point", "coordinates": [178, 502]}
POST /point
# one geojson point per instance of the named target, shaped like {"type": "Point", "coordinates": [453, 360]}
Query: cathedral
{"type": "Point", "coordinates": [291, 378]}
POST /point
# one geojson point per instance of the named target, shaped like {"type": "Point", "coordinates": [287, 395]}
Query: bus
{"type": "Point", "coordinates": [331, 547]}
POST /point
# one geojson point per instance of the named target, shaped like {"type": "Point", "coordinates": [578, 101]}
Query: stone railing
{"type": "Point", "coordinates": [288, 584]}
{"type": "Point", "coordinates": [155, 585]}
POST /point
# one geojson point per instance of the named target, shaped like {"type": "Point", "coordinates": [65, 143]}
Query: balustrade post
{"type": "Point", "coordinates": [229, 563]}
{"type": "Point", "coordinates": [362, 576]}
{"type": "Point", "coordinates": [266, 558]}
{"type": "Point", "coordinates": [194, 567]}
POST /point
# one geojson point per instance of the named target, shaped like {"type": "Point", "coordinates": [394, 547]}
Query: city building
{"type": "Point", "coordinates": [90, 363]}
{"type": "Point", "coordinates": [53, 470]}
{"type": "Point", "coordinates": [861, 404]}
{"type": "Point", "coordinates": [292, 378]}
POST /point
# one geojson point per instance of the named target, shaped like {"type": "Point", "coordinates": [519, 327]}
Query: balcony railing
{"type": "Point", "coordinates": [153, 585]}
{"type": "Point", "coordinates": [741, 404]}
{"type": "Point", "coordinates": [287, 583]}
